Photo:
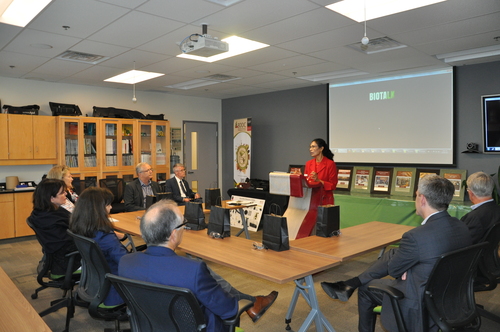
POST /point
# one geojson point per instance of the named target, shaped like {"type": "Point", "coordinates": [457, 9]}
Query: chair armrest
{"type": "Point", "coordinates": [394, 295]}
{"type": "Point", "coordinates": [389, 290]}
{"type": "Point", "coordinates": [243, 305]}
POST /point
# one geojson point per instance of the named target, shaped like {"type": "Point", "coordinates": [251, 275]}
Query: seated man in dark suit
{"type": "Point", "coordinates": [179, 187]}
{"type": "Point", "coordinates": [161, 228]}
{"type": "Point", "coordinates": [485, 212]}
{"type": "Point", "coordinates": [411, 263]}
{"type": "Point", "coordinates": [136, 191]}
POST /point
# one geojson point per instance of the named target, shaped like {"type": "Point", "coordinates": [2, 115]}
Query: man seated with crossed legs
{"type": "Point", "coordinates": [162, 229]}
{"type": "Point", "coordinates": [411, 263]}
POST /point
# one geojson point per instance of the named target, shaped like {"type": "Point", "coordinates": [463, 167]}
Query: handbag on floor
{"type": "Point", "coordinates": [328, 220]}
{"type": "Point", "coordinates": [194, 215]}
{"type": "Point", "coordinates": [275, 231]}
{"type": "Point", "coordinates": [219, 224]}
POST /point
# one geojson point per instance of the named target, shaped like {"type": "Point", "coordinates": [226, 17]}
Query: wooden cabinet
{"type": "Point", "coordinates": [23, 205]}
{"type": "Point", "coordinates": [7, 221]}
{"type": "Point", "coordinates": [31, 139]}
{"type": "Point", "coordinates": [105, 145]}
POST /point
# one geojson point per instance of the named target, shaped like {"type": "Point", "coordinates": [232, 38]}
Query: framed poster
{"type": "Point", "coordinates": [420, 174]}
{"type": "Point", "coordinates": [345, 178]}
{"type": "Point", "coordinates": [403, 182]}
{"type": "Point", "coordinates": [296, 169]}
{"type": "Point", "coordinates": [381, 181]}
{"type": "Point", "coordinates": [456, 176]}
{"type": "Point", "coordinates": [362, 179]}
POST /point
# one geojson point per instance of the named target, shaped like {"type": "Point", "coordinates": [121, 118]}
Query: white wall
{"type": "Point", "coordinates": [20, 92]}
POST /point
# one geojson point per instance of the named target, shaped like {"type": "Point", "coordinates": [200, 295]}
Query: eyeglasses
{"type": "Point", "coordinates": [147, 170]}
{"type": "Point", "coordinates": [259, 246]}
{"type": "Point", "coordinates": [184, 223]}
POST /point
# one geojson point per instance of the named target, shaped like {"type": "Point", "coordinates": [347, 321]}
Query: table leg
{"type": "Point", "coordinates": [305, 286]}
{"type": "Point", "coordinates": [244, 223]}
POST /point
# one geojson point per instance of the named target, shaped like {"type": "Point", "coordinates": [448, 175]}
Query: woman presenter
{"type": "Point", "coordinates": [321, 176]}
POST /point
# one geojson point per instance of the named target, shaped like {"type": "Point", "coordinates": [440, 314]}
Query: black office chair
{"type": "Point", "coordinates": [117, 187]}
{"type": "Point", "coordinates": [155, 307]}
{"type": "Point", "coordinates": [65, 282]}
{"type": "Point", "coordinates": [94, 287]}
{"type": "Point", "coordinates": [449, 296]}
{"type": "Point", "coordinates": [489, 268]}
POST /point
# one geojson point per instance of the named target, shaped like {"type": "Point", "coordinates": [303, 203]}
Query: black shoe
{"type": "Point", "coordinates": [338, 290]}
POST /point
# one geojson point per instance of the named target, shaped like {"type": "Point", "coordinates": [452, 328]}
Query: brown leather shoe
{"type": "Point", "coordinates": [261, 304]}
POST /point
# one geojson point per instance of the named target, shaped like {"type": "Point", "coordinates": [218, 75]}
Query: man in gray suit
{"type": "Point", "coordinates": [485, 212]}
{"type": "Point", "coordinates": [411, 263]}
{"type": "Point", "coordinates": [137, 190]}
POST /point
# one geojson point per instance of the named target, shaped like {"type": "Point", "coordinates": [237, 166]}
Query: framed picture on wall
{"type": "Point", "coordinates": [362, 179]}
{"type": "Point", "coordinates": [345, 178]}
{"type": "Point", "coordinates": [296, 169]}
{"type": "Point", "coordinates": [456, 176]}
{"type": "Point", "coordinates": [381, 181]}
{"type": "Point", "coordinates": [421, 172]}
{"type": "Point", "coordinates": [403, 182]}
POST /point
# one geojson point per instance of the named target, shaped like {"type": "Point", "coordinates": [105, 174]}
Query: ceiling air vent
{"type": "Point", "coordinates": [221, 78]}
{"type": "Point", "coordinates": [92, 59]}
{"type": "Point", "coordinates": [377, 45]}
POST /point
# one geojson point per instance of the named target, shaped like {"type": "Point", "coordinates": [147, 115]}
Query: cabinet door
{"type": "Point", "coordinates": [20, 136]}
{"type": "Point", "coordinates": [126, 152]}
{"type": "Point", "coordinates": [112, 145]}
{"type": "Point", "coordinates": [4, 137]}
{"type": "Point", "coordinates": [44, 137]}
{"type": "Point", "coordinates": [7, 220]}
{"type": "Point", "coordinates": [68, 153]}
{"type": "Point", "coordinates": [146, 142]}
{"type": "Point", "coordinates": [23, 205]}
{"type": "Point", "coordinates": [89, 145]}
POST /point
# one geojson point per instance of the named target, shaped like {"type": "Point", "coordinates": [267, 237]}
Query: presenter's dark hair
{"type": "Point", "coordinates": [326, 150]}
{"type": "Point", "coordinates": [90, 214]}
{"type": "Point", "coordinates": [44, 191]}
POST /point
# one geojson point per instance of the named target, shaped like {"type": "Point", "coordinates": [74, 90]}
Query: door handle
{"type": "Point", "coordinates": [190, 172]}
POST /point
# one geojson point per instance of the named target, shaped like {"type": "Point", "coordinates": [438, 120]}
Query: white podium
{"type": "Point", "coordinates": [293, 185]}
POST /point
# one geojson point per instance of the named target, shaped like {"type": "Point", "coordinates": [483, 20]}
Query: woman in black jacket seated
{"type": "Point", "coordinates": [51, 221]}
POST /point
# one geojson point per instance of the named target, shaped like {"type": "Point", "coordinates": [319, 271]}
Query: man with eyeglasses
{"type": "Point", "coordinates": [161, 229]}
{"type": "Point", "coordinates": [137, 190]}
{"type": "Point", "coordinates": [179, 187]}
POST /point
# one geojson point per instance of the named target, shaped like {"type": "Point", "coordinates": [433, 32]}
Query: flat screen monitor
{"type": "Point", "coordinates": [490, 106]}
{"type": "Point", "coordinates": [401, 119]}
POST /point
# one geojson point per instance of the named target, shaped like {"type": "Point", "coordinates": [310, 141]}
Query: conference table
{"type": "Point", "coordinates": [16, 313]}
{"type": "Point", "coordinates": [306, 257]}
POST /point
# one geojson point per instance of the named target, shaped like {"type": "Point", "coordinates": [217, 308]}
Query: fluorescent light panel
{"type": "Point", "coordinates": [355, 9]}
{"type": "Point", "coordinates": [333, 75]}
{"type": "Point", "coordinates": [133, 76]}
{"type": "Point", "coordinates": [471, 54]}
{"type": "Point", "coordinates": [237, 46]}
{"type": "Point", "coordinates": [191, 84]}
{"type": "Point", "coordinates": [20, 12]}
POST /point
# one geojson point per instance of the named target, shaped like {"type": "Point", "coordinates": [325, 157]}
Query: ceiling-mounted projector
{"type": "Point", "coordinates": [205, 46]}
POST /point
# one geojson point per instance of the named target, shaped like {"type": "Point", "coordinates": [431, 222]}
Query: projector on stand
{"type": "Point", "coordinates": [205, 46]}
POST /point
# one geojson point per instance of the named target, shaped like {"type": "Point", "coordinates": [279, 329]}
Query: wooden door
{"type": "Point", "coordinates": [4, 137]}
{"type": "Point", "coordinates": [20, 136]}
{"type": "Point", "coordinates": [23, 205]}
{"type": "Point", "coordinates": [44, 137]}
{"type": "Point", "coordinates": [7, 220]}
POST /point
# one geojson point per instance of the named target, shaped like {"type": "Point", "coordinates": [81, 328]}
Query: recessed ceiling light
{"type": "Point", "coordinates": [237, 46]}
{"type": "Point", "coordinates": [355, 9]}
{"type": "Point", "coordinates": [333, 75]}
{"type": "Point", "coordinates": [133, 76]}
{"type": "Point", "coordinates": [21, 12]}
{"type": "Point", "coordinates": [209, 80]}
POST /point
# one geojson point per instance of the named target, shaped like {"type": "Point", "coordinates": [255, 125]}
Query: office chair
{"type": "Point", "coordinates": [449, 296]}
{"type": "Point", "coordinates": [155, 307]}
{"type": "Point", "coordinates": [95, 287]}
{"type": "Point", "coordinates": [489, 268]}
{"type": "Point", "coordinates": [117, 187]}
{"type": "Point", "coordinates": [65, 282]}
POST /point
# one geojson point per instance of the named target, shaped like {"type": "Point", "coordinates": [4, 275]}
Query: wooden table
{"type": "Point", "coordinates": [239, 253]}
{"type": "Point", "coordinates": [353, 241]}
{"type": "Point", "coordinates": [16, 313]}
